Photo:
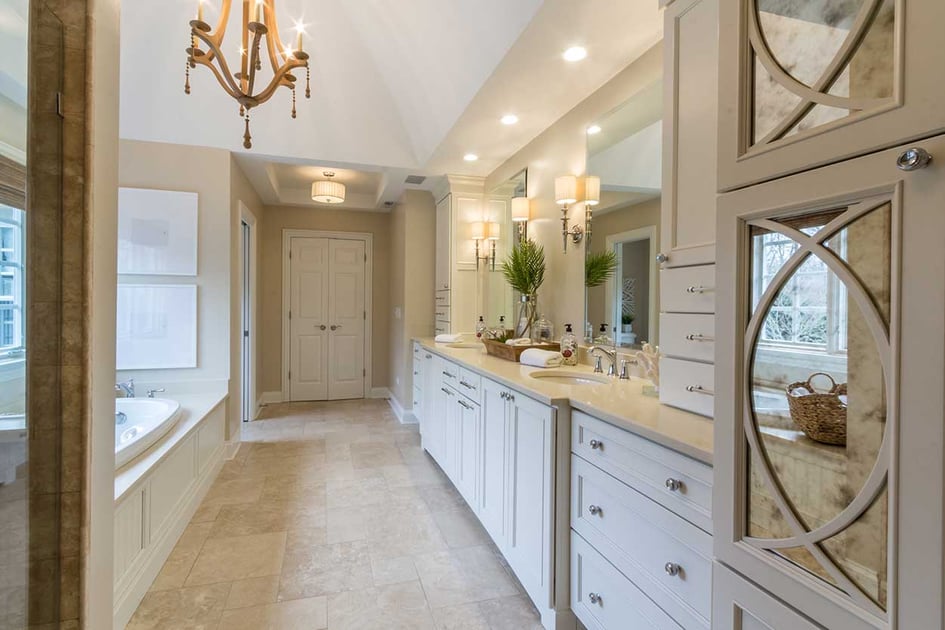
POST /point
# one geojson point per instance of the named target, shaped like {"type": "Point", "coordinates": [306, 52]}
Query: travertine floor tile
{"type": "Point", "coordinates": [332, 516]}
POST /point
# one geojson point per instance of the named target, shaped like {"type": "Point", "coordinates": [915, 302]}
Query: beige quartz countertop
{"type": "Point", "coordinates": [620, 403]}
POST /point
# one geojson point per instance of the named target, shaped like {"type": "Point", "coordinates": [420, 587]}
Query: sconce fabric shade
{"type": "Point", "coordinates": [327, 191]}
{"type": "Point", "coordinates": [592, 190]}
{"type": "Point", "coordinates": [521, 209]}
{"type": "Point", "coordinates": [494, 231]}
{"type": "Point", "coordinates": [478, 231]}
{"type": "Point", "coordinates": [566, 189]}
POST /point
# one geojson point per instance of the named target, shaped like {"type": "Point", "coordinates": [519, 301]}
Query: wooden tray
{"type": "Point", "coordinates": [514, 353]}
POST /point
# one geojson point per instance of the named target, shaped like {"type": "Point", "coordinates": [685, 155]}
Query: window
{"type": "Point", "coordinates": [12, 281]}
{"type": "Point", "coordinates": [809, 311]}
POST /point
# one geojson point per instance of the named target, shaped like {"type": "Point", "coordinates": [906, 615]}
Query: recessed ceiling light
{"type": "Point", "coordinates": [509, 119]}
{"type": "Point", "coordinates": [470, 157]}
{"type": "Point", "coordinates": [575, 53]}
{"type": "Point", "coordinates": [593, 129]}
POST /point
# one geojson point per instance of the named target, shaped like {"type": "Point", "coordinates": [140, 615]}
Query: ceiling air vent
{"type": "Point", "coordinates": [415, 180]}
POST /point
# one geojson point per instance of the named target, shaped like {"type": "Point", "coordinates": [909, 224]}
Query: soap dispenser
{"type": "Point", "coordinates": [569, 348]}
{"type": "Point", "coordinates": [480, 328]}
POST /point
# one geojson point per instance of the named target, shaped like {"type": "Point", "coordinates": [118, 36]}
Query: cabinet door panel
{"type": "Point", "coordinates": [467, 464]}
{"type": "Point", "coordinates": [443, 244]}
{"type": "Point", "coordinates": [493, 468]}
{"type": "Point", "coordinates": [530, 481]}
{"type": "Point", "coordinates": [805, 84]}
{"type": "Point", "coordinates": [740, 605]}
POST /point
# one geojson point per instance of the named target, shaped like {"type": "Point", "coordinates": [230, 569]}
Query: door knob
{"type": "Point", "coordinates": [595, 598]}
{"type": "Point", "coordinates": [322, 327]}
{"type": "Point", "coordinates": [594, 510]}
{"type": "Point", "coordinates": [913, 159]}
{"type": "Point", "coordinates": [334, 327]}
{"type": "Point", "coordinates": [672, 569]}
{"type": "Point", "coordinates": [661, 258]}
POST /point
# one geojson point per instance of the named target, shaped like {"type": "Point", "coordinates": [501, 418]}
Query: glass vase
{"type": "Point", "coordinates": [527, 314]}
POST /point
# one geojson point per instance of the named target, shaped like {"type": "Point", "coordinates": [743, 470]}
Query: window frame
{"type": "Point", "coordinates": [15, 218]}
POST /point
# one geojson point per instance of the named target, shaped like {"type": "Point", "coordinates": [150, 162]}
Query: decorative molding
{"type": "Point", "coordinates": [230, 449]}
{"type": "Point", "coordinates": [404, 416]}
{"type": "Point", "coordinates": [268, 398]}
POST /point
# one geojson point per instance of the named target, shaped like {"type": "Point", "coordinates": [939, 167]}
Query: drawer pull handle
{"type": "Point", "coordinates": [429, 356]}
{"type": "Point", "coordinates": [446, 391]}
{"type": "Point", "coordinates": [674, 485]}
{"type": "Point", "coordinates": [595, 510]}
{"type": "Point", "coordinates": [595, 598]}
{"type": "Point", "coordinates": [698, 289]}
{"type": "Point", "coordinates": [416, 373]}
{"type": "Point", "coordinates": [465, 406]}
{"type": "Point", "coordinates": [448, 375]}
{"type": "Point", "coordinates": [466, 385]}
{"type": "Point", "coordinates": [504, 395]}
{"type": "Point", "coordinates": [672, 569]}
{"type": "Point", "coordinates": [699, 389]}
{"type": "Point", "coordinates": [596, 444]}
{"type": "Point", "coordinates": [440, 314]}
{"type": "Point", "coordinates": [694, 337]}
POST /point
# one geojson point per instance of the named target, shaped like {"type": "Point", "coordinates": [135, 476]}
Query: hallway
{"type": "Point", "coordinates": [332, 516]}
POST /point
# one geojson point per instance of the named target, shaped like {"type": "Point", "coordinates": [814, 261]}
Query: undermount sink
{"type": "Point", "coordinates": [467, 345]}
{"type": "Point", "coordinates": [561, 377]}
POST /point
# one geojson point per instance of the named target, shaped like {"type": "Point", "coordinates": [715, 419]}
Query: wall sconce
{"type": "Point", "coordinates": [592, 198]}
{"type": "Point", "coordinates": [565, 195]}
{"type": "Point", "coordinates": [521, 213]}
{"type": "Point", "coordinates": [482, 231]}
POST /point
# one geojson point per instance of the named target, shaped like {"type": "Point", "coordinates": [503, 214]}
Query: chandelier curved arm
{"type": "Point", "coordinates": [258, 33]}
{"type": "Point", "coordinates": [224, 76]}
{"type": "Point", "coordinates": [280, 80]}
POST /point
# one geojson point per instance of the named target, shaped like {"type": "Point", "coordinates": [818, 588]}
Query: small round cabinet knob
{"type": "Point", "coordinates": [595, 598]}
{"type": "Point", "coordinates": [674, 485]}
{"type": "Point", "coordinates": [661, 258]}
{"type": "Point", "coordinates": [596, 444]}
{"type": "Point", "coordinates": [672, 569]}
{"type": "Point", "coordinates": [594, 509]}
{"type": "Point", "coordinates": [913, 159]}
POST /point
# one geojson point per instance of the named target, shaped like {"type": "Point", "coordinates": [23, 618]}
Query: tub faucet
{"type": "Point", "coordinates": [121, 417]}
{"type": "Point", "coordinates": [127, 388]}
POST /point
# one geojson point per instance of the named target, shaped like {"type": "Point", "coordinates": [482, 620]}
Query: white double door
{"type": "Point", "coordinates": [327, 318]}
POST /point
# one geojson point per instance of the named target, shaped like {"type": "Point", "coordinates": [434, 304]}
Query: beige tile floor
{"type": "Point", "coordinates": [332, 516]}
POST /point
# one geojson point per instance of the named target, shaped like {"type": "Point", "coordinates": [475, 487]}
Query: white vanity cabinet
{"type": "Point", "coordinates": [641, 547]}
{"type": "Point", "coordinates": [690, 185]}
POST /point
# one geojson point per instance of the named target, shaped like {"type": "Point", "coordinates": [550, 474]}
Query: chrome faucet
{"type": "Point", "coordinates": [127, 388]}
{"type": "Point", "coordinates": [610, 354]}
{"type": "Point", "coordinates": [121, 417]}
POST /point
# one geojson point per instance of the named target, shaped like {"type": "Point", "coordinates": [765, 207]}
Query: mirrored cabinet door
{"type": "Point", "coordinates": [810, 82]}
{"type": "Point", "coordinates": [829, 342]}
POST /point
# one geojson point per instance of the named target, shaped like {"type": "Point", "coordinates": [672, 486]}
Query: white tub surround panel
{"type": "Point", "coordinates": [157, 493]}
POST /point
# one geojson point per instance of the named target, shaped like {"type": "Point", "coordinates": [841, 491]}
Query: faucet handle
{"type": "Point", "coordinates": [624, 372]}
{"type": "Point", "coordinates": [598, 368]}
{"type": "Point", "coordinates": [152, 392]}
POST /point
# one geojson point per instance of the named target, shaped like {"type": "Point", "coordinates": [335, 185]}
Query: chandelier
{"type": "Point", "coordinates": [245, 85]}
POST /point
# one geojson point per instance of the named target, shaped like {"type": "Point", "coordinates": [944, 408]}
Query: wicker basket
{"type": "Point", "coordinates": [514, 353]}
{"type": "Point", "coordinates": [822, 416]}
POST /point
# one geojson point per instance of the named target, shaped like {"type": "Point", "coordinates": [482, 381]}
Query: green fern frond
{"type": "Point", "coordinates": [598, 268]}
{"type": "Point", "coordinates": [524, 268]}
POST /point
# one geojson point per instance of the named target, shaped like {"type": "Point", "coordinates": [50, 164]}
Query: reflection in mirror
{"type": "Point", "coordinates": [494, 294]}
{"type": "Point", "coordinates": [621, 278]}
{"type": "Point", "coordinates": [818, 389]}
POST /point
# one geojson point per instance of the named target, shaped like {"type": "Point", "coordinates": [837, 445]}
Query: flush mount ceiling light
{"type": "Point", "coordinates": [575, 53]}
{"type": "Point", "coordinates": [509, 119]}
{"type": "Point", "coordinates": [328, 191]}
{"type": "Point", "coordinates": [593, 130]}
{"type": "Point", "coordinates": [470, 157]}
{"type": "Point", "coordinates": [246, 84]}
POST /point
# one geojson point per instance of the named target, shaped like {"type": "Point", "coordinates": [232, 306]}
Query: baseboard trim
{"type": "Point", "coordinates": [404, 416]}
{"type": "Point", "coordinates": [380, 392]}
{"type": "Point", "coordinates": [269, 398]}
{"type": "Point", "coordinates": [230, 449]}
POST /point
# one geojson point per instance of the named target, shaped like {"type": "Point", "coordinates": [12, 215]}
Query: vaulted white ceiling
{"type": "Point", "coordinates": [398, 86]}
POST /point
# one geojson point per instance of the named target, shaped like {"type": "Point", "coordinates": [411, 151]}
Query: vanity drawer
{"type": "Point", "coordinates": [441, 328]}
{"type": "Point", "coordinates": [618, 604]}
{"type": "Point", "coordinates": [677, 482]}
{"type": "Point", "coordinates": [442, 298]}
{"type": "Point", "coordinates": [470, 384]}
{"type": "Point", "coordinates": [450, 373]}
{"type": "Point", "coordinates": [688, 385]}
{"type": "Point", "coordinates": [667, 557]}
{"type": "Point", "coordinates": [688, 289]}
{"type": "Point", "coordinates": [688, 336]}
{"type": "Point", "coordinates": [441, 313]}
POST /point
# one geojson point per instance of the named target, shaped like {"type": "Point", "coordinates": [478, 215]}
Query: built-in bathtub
{"type": "Point", "coordinates": [140, 423]}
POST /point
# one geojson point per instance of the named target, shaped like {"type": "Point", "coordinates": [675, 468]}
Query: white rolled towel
{"type": "Point", "coordinates": [541, 358]}
{"type": "Point", "coordinates": [520, 341]}
{"type": "Point", "coordinates": [448, 338]}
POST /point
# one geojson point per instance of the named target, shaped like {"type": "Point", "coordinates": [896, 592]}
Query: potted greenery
{"type": "Point", "coordinates": [627, 320]}
{"type": "Point", "coordinates": [599, 267]}
{"type": "Point", "coordinates": [524, 270]}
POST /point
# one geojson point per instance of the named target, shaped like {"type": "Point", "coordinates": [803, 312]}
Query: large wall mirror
{"type": "Point", "coordinates": [624, 150]}
{"type": "Point", "coordinates": [501, 234]}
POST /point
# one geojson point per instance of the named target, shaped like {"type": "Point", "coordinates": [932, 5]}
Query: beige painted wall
{"type": "Point", "coordinates": [413, 233]}
{"type": "Point", "coordinates": [278, 218]}
{"type": "Point", "coordinates": [206, 172]}
{"type": "Point", "coordinates": [241, 191]}
{"type": "Point", "coordinates": [559, 150]}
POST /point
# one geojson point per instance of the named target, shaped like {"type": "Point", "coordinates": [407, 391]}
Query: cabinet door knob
{"type": "Point", "coordinates": [697, 289]}
{"type": "Point", "coordinates": [699, 389]}
{"type": "Point", "coordinates": [596, 444]}
{"type": "Point", "coordinates": [672, 569]}
{"type": "Point", "coordinates": [336, 327]}
{"type": "Point", "coordinates": [661, 258]}
{"type": "Point", "coordinates": [595, 598]}
{"type": "Point", "coordinates": [913, 159]}
{"type": "Point", "coordinates": [674, 485]}
{"type": "Point", "coordinates": [595, 510]}
{"type": "Point", "coordinates": [697, 337]}
{"type": "Point", "coordinates": [322, 327]}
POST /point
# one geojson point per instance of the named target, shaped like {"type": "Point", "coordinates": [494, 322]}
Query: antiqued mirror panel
{"type": "Point", "coordinates": [818, 392]}
{"type": "Point", "coordinates": [818, 61]}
